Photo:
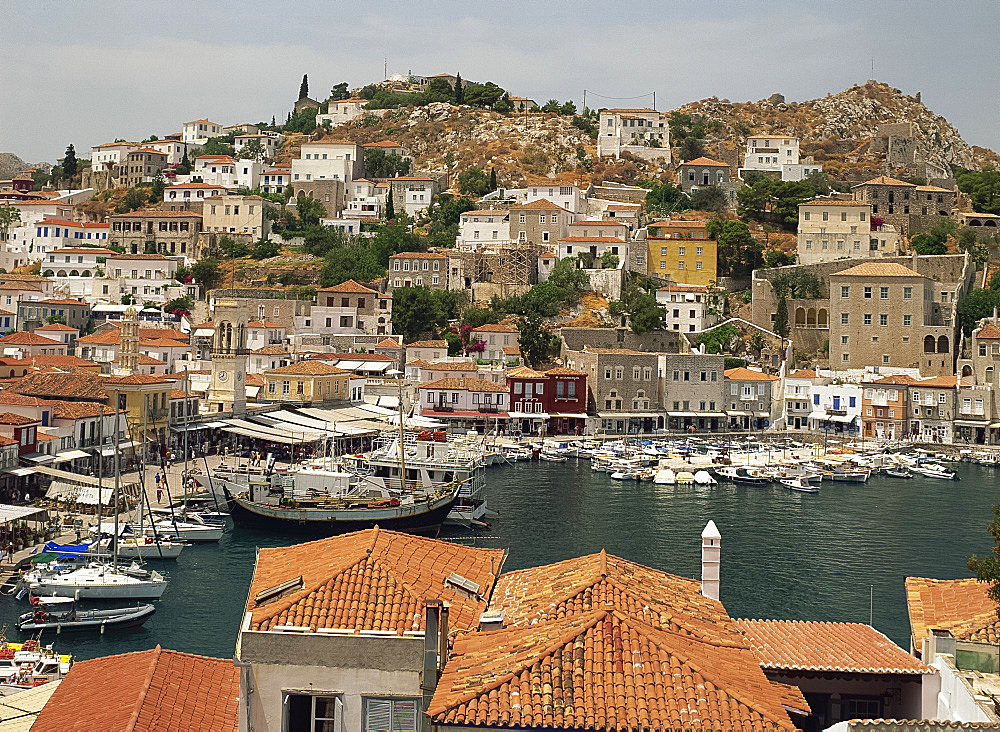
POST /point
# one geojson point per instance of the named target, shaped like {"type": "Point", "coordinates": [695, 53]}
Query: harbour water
{"type": "Point", "coordinates": [784, 554]}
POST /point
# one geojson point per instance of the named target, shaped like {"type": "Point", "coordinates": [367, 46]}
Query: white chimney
{"type": "Point", "coordinates": [711, 558]}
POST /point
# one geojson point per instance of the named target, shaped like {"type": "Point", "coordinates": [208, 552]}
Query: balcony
{"type": "Point", "coordinates": [444, 408]}
{"type": "Point", "coordinates": [491, 408]}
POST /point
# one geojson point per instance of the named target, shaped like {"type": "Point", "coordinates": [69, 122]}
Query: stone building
{"type": "Point", "coordinates": [624, 388]}
{"type": "Point", "coordinates": [701, 172]}
{"type": "Point", "coordinates": [751, 398]}
{"type": "Point", "coordinates": [227, 391]}
{"type": "Point", "coordinates": [835, 228]}
{"type": "Point", "coordinates": [416, 269]}
{"type": "Point", "coordinates": [692, 387]}
{"type": "Point", "coordinates": [540, 222]}
{"type": "Point", "coordinates": [910, 208]}
{"type": "Point", "coordinates": [168, 232]}
{"type": "Point", "coordinates": [263, 304]}
{"type": "Point", "coordinates": [643, 133]}
{"type": "Point", "coordinates": [886, 314]}
{"type": "Point", "coordinates": [236, 215]}
{"type": "Point", "coordinates": [681, 251]}
{"type": "Point", "coordinates": [884, 403]}
{"type": "Point", "coordinates": [328, 191]}
{"type": "Point", "coordinates": [141, 166]}
{"type": "Point", "coordinates": [932, 409]}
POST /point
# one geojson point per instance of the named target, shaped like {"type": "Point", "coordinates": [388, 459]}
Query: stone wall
{"type": "Point", "coordinates": [661, 341]}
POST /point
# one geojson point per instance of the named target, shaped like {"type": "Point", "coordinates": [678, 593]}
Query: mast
{"type": "Point", "coordinates": [402, 445]}
{"type": "Point", "coordinates": [100, 468]}
{"type": "Point", "coordinates": [114, 539]}
{"type": "Point", "coordinates": [186, 426]}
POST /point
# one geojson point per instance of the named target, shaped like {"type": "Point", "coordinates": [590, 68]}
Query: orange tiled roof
{"type": "Point", "coordinates": [60, 361]}
{"type": "Point", "coordinates": [896, 380]}
{"type": "Point", "coordinates": [271, 351]}
{"type": "Point", "coordinates": [146, 360]}
{"type": "Point", "coordinates": [494, 328]}
{"type": "Point", "coordinates": [79, 410]}
{"type": "Point", "coordinates": [349, 286]}
{"type": "Point", "coordinates": [466, 384]}
{"type": "Point", "coordinates": [608, 239]}
{"type": "Point", "coordinates": [371, 580]}
{"type": "Point", "coordinates": [604, 670]}
{"type": "Point", "coordinates": [563, 371]}
{"type": "Point", "coordinates": [597, 222]}
{"type": "Point", "coordinates": [877, 269]}
{"type": "Point", "coordinates": [706, 162]}
{"type": "Point", "coordinates": [802, 374]}
{"type": "Point", "coordinates": [741, 373]}
{"type": "Point", "coordinates": [12, 398]}
{"type": "Point", "coordinates": [419, 255]}
{"type": "Point", "coordinates": [797, 645]}
{"type": "Point", "coordinates": [22, 338]}
{"type": "Point", "coordinates": [525, 372]}
{"type": "Point", "coordinates": [309, 368]}
{"type": "Point", "coordinates": [453, 366]}
{"type": "Point", "coordinates": [947, 382]}
{"type": "Point", "coordinates": [135, 380]}
{"type": "Point", "coordinates": [538, 205]}
{"type": "Point", "coordinates": [989, 331]}
{"type": "Point", "coordinates": [15, 419]}
{"type": "Point", "coordinates": [388, 343]}
{"type": "Point", "coordinates": [962, 606]}
{"type": "Point", "coordinates": [264, 324]}
{"type": "Point", "coordinates": [55, 327]}
{"type": "Point", "coordinates": [154, 691]}
{"type": "Point", "coordinates": [428, 344]}
{"type": "Point", "coordinates": [884, 180]}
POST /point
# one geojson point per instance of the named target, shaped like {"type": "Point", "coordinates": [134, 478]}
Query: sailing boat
{"type": "Point", "coordinates": [98, 581]}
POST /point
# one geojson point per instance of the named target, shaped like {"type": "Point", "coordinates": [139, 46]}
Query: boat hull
{"type": "Point", "coordinates": [101, 621]}
{"type": "Point", "coordinates": [317, 522]}
{"type": "Point", "coordinates": [135, 591]}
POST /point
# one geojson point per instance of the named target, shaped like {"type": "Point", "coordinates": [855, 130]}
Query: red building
{"type": "Point", "coordinates": [22, 429]}
{"type": "Point", "coordinates": [552, 402]}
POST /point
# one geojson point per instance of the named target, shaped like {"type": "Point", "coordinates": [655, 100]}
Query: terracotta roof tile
{"type": "Point", "coordinates": [563, 371]}
{"type": "Point", "coordinates": [453, 366]}
{"type": "Point", "coordinates": [54, 327]}
{"type": "Point", "coordinates": [271, 351]}
{"type": "Point", "coordinates": [155, 690]}
{"type": "Point", "coordinates": [15, 419]}
{"type": "Point", "coordinates": [542, 204]}
{"type": "Point", "coordinates": [524, 372]}
{"type": "Point", "coordinates": [350, 286]}
{"type": "Point", "coordinates": [419, 255]}
{"type": "Point", "coordinates": [989, 331]}
{"type": "Point", "coordinates": [466, 385]}
{"type": "Point", "coordinates": [604, 670]}
{"type": "Point", "coordinates": [802, 374]}
{"type": "Point", "coordinates": [371, 580]}
{"type": "Point", "coordinates": [796, 645]}
{"type": "Point", "coordinates": [706, 162]}
{"type": "Point", "coordinates": [13, 399]}
{"type": "Point", "coordinates": [62, 362]}
{"type": "Point", "coordinates": [896, 380]}
{"type": "Point", "coordinates": [79, 410]}
{"type": "Point", "coordinates": [962, 606]}
{"type": "Point", "coordinates": [428, 344]}
{"type": "Point", "coordinates": [741, 373]}
{"type": "Point", "coordinates": [388, 343]}
{"type": "Point", "coordinates": [135, 380]}
{"type": "Point", "coordinates": [884, 180]}
{"type": "Point", "coordinates": [22, 338]}
{"type": "Point", "coordinates": [308, 368]}
{"type": "Point", "coordinates": [494, 328]}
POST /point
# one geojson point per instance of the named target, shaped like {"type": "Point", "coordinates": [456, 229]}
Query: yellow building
{"type": "Point", "coordinates": [146, 401]}
{"type": "Point", "coordinates": [306, 381]}
{"type": "Point", "coordinates": [681, 251]}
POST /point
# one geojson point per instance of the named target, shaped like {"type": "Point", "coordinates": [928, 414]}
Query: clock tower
{"type": "Point", "coordinates": [229, 357]}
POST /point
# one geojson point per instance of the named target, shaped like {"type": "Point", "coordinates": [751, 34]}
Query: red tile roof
{"type": "Point", "coordinates": [15, 419]}
{"type": "Point", "coordinates": [542, 204]}
{"type": "Point", "coordinates": [989, 331]}
{"type": "Point", "coordinates": [62, 362]}
{"type": "Point", "coordinates": [22, 338]}
{"type": "Point", "coordinates": [418, 255]}
{"type": "Point", "coordinates": [428, 344]}
{"type": "Point", "coordinates": [563, 371]}
{"type": "Point", "coordinates": [796, 645]}
{"type": "Point", "coordinates": [607, 239]}
{"type": "Point", "coordinates": [802, 374]}
{"type": "Point", "coordinates": [55, 327]}
{"type": "Point", "coordinates": [308, 368]}
{"type": "Point", "coordinates": [741, 373]}
{"type": "Point", "coordinates": [494, 328]}
{"type": "Point", "coordinates": [271, 351]}
{"type": "Point", "coordinates": [962, 606]}
{"type": "Point", "coordinates": [884, 180]}
{"type": "Point", "coordinates": [79, 410]}
{"type": "Point", "coordinates": [466, 384]}
{"type": "Point", "coordinates": [13, 399]}
{"type": "Point", "coordinates": [264, 324]}
{"type": "Point", "coordinates": [350, 286]}
{"type": "Point", "coordinates": [604, 670]}
{"type": "Point", "coordinates": [150, 690]}
{"type": "Point", "coordinates": [135, 380]}
{"type": "Point", "coordinates": [600, 222]}
{"type": "Point", "coordinates": [706, 162]}
{"type": "Point", "coordinates": [524, 372]}
{"type": "Point", "coordinates": [371, 580]}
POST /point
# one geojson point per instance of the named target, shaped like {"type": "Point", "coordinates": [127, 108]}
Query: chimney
{"type": "Point", "coordinates": [433, 610]}
{"type": "Point", "coordinates": [711, 557]}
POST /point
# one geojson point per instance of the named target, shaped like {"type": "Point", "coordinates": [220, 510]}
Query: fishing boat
{"type": "Point", "coordinates": [29, 664]}
{"type": "Point", "coordinates": [552, 457]}
{"type": "Point", "coordinates": [61, 614]}
{"type": "Point", "coordinates": [665, 477]}
{"type": "Point", "coordinates": [849, 476]}
{"type": "Point", "coordinates": [685, 478]}
{"type": "Point", "coordinates": [933, 470]}
{"type": "Point", "coordinates": [703, 477]}
{"type": "Point", "coordinates": [898, 473]}
{"type": "Point", "coordinates": [800, 484]}
{"type": "Point", "coordinates": [742, 476]}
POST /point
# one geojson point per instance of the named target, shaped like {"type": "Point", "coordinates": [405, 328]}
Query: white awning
{"type": "Point", "coordinates": [842, 418]}
{"type": "Point", "coordinates": [528, 415]}
{"type": "Point", "coordinates": [20, 472]}
{"type": "Point", "coordinates": [215, 425]}
{"type": "Point", "coordinates": [62, 457]}
{"type": "Point", "coordinates": [562, 415]}
{"type": "Point", "coordinates": [39, 457]}
{"type": "Point", "coordinates": [737, 413]}
{"type": "Point", "coordinates": [682, 414]}
{"type": "Point", "coordinates": [971, 423]}
{"type": "Point", "coordinates": [817, 414]}
{"type": "Point", "coordinates": [10, 513]}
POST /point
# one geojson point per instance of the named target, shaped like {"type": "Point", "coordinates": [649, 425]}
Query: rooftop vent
{"type": "Point", "coordinates": [273, 593]}
{"type": "Point", "coordinates": [491, 620]}
{"type": "Point", "coordinates": [461, 583]}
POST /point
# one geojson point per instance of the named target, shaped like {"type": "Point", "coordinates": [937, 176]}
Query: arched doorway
{"type": "Point", "coordinates": [929, 344]}
{"type": "Point", "coordinates": [942, 344]}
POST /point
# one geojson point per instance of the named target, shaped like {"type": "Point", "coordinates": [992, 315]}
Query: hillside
{"type": "Point", "coordinates": [842, 131]}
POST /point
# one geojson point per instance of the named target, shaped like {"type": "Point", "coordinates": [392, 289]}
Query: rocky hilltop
{"type": "Point", "coordinates": [862, 131]}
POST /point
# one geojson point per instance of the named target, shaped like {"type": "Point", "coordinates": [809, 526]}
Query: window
{"type": "Point", "coordinates": [845, 291]}
{"type": "Point", "coordinates": [843, 340]}
{"type": "Point", "coordinates": [845, 318]}
{"type": "Point", "coordinates": [883, 293]}
{"type": "Point", "coordinates": [883, 319]}
{"type": "Point", "coordinates": [907, 293]}
{"type": "Point", "coordinates": [868, 318]}
{"type": "Point", "coordinates": [868, 293]}
{"type": "Point", "coordinates": [908, 321]}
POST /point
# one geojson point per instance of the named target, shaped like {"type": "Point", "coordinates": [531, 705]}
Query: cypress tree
{"type": "Point", "coordinates": [69, 162]}
{"type": "Point", "coordinates": [390, 209]}
{"type": "Point", "coordinates": [304, 87]}
{"type": "Point", "coordinates": [493, 179]}
{"type": "Point", "coordinates": [459, 94]}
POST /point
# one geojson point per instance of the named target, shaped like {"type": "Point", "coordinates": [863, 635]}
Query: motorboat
{"type": "Point", "coordinates": [95, 581]}
{"type": "Point", "coordinates": [192, 528]}
{"type": "Point", "coordinates": [933, 470]}
{"type": "Point", "coordinates": [61, 614]}
{"type": "Point", "coordinates": [800, 484]}
{"type": "Point", "coordinates": [552, 457]}
{"type": "Point", "coordinates": [703, 477]}
{"type": "Point", "coordinates": [742, 476]}
{"type": "Point", "coordinates": [685, 478]}
{"type": "Point", "coordinates": [665, 476]}
{"type": "Point", "coordinates": [29, 664]}
{"type": "Point", "coordinates": [898, 473]}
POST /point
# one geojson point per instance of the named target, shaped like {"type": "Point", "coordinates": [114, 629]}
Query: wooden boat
{"type": "Point", "coordinates": [800, 484]}
{"type": "Point", "coordinates": [931, 470]}
{"type": "Point", "coordinates": [61, 614]}
{"type": "Point", "coordinates": [29, 664]}
{"type": "Point", "coordinates": [898, 473]}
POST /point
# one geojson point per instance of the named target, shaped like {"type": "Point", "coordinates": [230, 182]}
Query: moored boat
{"type": "Point", "coordinates": [800, 484]}
{"type": "Point", "coordinates": [62, 615]}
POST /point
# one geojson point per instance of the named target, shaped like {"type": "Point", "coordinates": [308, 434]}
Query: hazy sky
{"type": "Point", "coordinates": [88, 72]}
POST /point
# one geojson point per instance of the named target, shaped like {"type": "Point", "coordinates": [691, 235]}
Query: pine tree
{"type": "Point", "coordinates": [185, 167]}
{"type": "Point", "coordinates": [273, 125]}
{"type": "Point", "coordinates": [390, 209]}
{"type": "Point", "coordinates": [459, 94]}
{"type": "Point", "coordinates": [69, 162]}
{"type": "Point", "coordinates": [493, 179]}
{"type": "Point", "coordinates": [304, 87]}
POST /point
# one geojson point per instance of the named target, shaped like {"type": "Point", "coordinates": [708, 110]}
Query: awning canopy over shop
{"type": "Point", "coordinates": [10, 513]}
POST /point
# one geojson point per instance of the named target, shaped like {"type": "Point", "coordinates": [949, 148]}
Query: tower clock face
{"type": "Point", "coordinates": [223, 376]}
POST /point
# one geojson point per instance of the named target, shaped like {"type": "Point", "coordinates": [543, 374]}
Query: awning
{"type": "Point", "coordinates": [215, 425]}
{"type": "Point", "coordinates": [682, 414]}
{"type": "Point", "coordinates": [10, 513]}
{"type": "Point", "coordinates": [818, 414]}
{"type": "Point", "coordinates": [738, 413]}
{"type": "Point", "coordinates": [970, 423]}
{"type": "Point", "coordinates": [628, 415]}
{"type": "Point", "coordinates": [846, 418]}
{"type": "Point", "coordinates": [20, 472]}
{"type": "Point", "coordinates": [39, 457]}
{"type": "Point", "coordinates": [567, 415]}
{"type": "Point", "coordinates": [995, 425]}
{"type": "Point", "coordinates": [62, 457]}
{"type": "Point", "coordinates": [529, 415]}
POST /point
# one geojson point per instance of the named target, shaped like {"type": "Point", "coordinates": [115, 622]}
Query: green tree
{"type": "Point", "coordinates": [797, 283]}
{"type": "Point", "coordinates": [644, 313]}
{"type": "Point", "coordinates": [976, 305]}
{"type": "Point", "coordinates": [304, 87]}
{"type": "Point", "coordinates": [537, 345]}
{"type": "Point", "coordinates": [310, 210]}
{"type": "Point", "coordinates": [927, 244]}
{"type": "Point", "coordinates": [180, 305]}
{"type": "Point", "coordinates": [9, 216]}
{"type": "Point", "coordinates": [781, 318]}
{"type": "Point", "coordinates": [339, 91]}
{"type": "Point", "coordinates": [219, 146]}
{"type": "Point", "coordinates": [983, 188]}
{"type": "Point", "coordinates": [718, 339]}
{"type": "Point", "coordinates": [207, 272]}
{"type": "Point", "coordinates": [664, 199]}
{"type": "Point", "coordinates": [474, 182]}
{"type": "Point", "coordinates": [253, 150]}
{"type": "Point", "coordinates": [479, 316]}
{"type": "Point", "coordinates": [354, 262]}
{"type": "Point", "coordinates": [134, 198]}
{"type": "Point", "coordinates": [415, 312]}
{"type": "Point", "coordinates": [265, 249]}
{"type": "Point", "coordinates": [156, 190]}
{"type": "Point", "coordinates": [185, 165]}
{"type": "Point", "coordinates": [303, 121]}
{"type": "Point", "coordinates": [438, 90]}
{"type": "Point", "coordinates": [379, 164]}
{"type": "Point", "coordinates": [609, 260]}
{"type": "Point", "coordinates": [459, 96]}
{"type": "Point", "coordinates": [233, 248]}
{"type": "Point", "coordinates": [53, 319]}
{"type": "Point", "coordinates": [987, 568]}
{"type": "Point", "coordinates": [710, 198]}
{"type": "Point", "coordinates": [390, 207]}
{"type": "Point", "coordinates": [69, 164]}
{"type": "Point", "coordinates": [692, 148]}
{"type": "Point", "coordinates": [493, 179]}
{"type": "Point", "coordinates": [739, 253]}
{"type": "Point", "coordinates": [777, 258]}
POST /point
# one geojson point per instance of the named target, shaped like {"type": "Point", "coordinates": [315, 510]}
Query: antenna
{"type": "Point", "coordinates": [871, 605]}
{"type": "Point", "coordinates": [385, 67]}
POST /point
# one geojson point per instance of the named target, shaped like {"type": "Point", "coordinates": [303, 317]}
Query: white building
{"type": "Point", "coordinates": [570, 196]}
{"type": "Point", "coordinates": [52, 234]}
{"type": "Point", "coordinates": [173, 149]}
{"type": "Point", "coordinates": [198, 132]}
{"type": "Point", "coordinates": [342, 111]}
{"type": "Point", "coordinates": [596, 237]}
{"type": "Point", "coordinates": [235, 214]}
{"type": "Point", "coordinates": [835, 407]}
{"type": "Point", "coordinates": [73, 269]}
{"type": "Point", "coordinates": [268, 141]}
{"type": "Point", "coordinates": [324, 160]}
{"type": "Point", "coordinates": [687, 308]}
{"type": "Point", "coordinates": [831, 228]}
{"type": "Point", "coordinates": [192, 192]}
{"type": "Point", "coordinates": [146, 277]}
{"type": "Point", "coordinates": [487, 225]}
{"type": "Point", "coordinates": [110, 154]}
{"type": "Point", "coordinates": [777, 154]}
{"type": "Point", "coordinates": [641, 132]}
{"type": "Point", "coordinates": [274, 180]}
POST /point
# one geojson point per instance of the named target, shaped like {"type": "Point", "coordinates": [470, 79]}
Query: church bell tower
{"type": "Point", "coordinates": [229, 357]}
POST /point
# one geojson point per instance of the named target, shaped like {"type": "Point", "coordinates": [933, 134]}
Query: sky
{"type": "Point", "coordinates": [90, 71]}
